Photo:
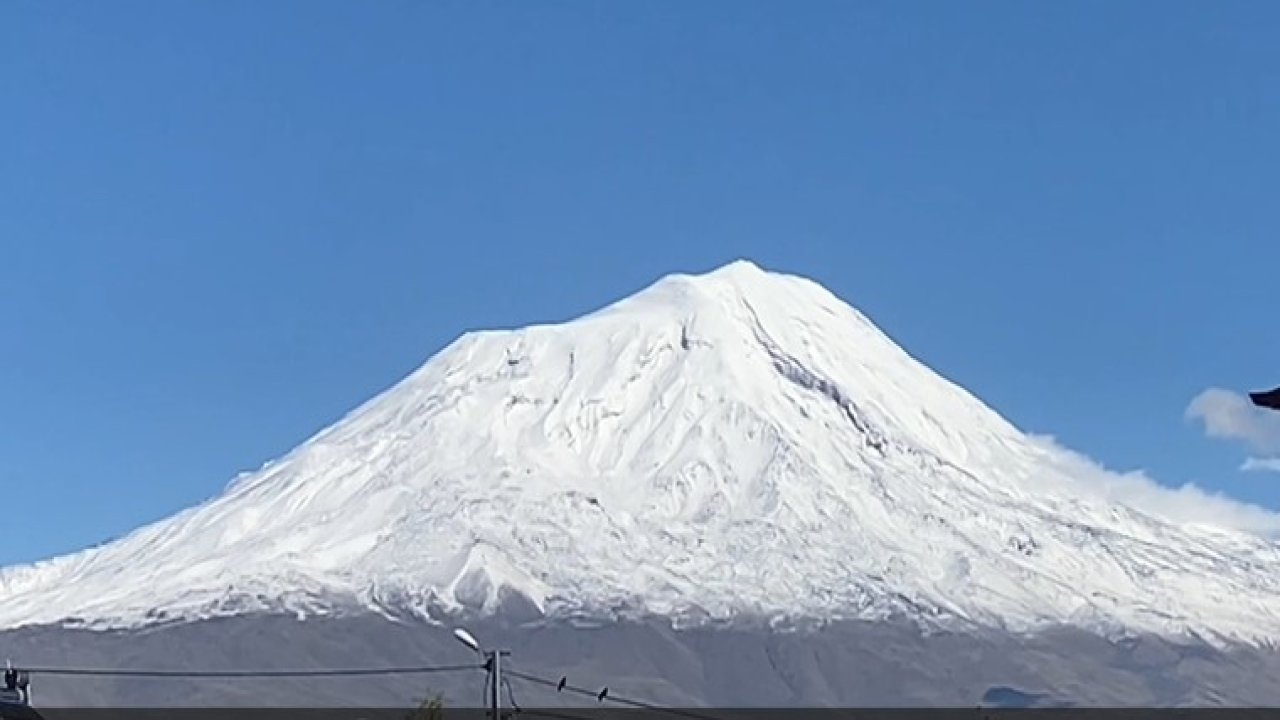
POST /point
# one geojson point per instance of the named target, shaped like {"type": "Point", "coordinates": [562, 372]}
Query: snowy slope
{"type": "Point", "coordinates": [739, 443]}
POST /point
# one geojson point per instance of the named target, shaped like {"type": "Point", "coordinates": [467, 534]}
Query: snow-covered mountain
{"type": "Point", "coordinates": [734, 444]}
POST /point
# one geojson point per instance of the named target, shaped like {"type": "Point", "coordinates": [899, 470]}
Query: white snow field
{"type": "Point", "coordinates": [738, 444]}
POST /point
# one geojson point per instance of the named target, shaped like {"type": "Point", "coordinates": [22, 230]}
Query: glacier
{"type": "Point", "coordinates": [740, 445]}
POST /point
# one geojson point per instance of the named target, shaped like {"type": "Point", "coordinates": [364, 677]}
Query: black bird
{"type": "Point", "coordinates": [1269, 399]}
{"type": "Point", "coordinates": [560, 687]}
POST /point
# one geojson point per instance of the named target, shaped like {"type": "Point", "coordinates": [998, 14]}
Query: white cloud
{"type": "Point", "coordinates": [1187, 505]}
{"type": "Point", "coordinates": [1232, 416]}
{"type": "Point", "coordinates": [1267, 464]}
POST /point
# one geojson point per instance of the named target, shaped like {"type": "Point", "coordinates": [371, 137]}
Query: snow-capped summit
{"type": "Point", "coordinates": [737, 443]}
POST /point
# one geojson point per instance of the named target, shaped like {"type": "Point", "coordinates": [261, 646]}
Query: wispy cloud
{"type": "Point", "coordinates": [1188, 504]}
{"type": "Point", "coordinates": [1229, 415]}
{"type": "Point", "coordinates": [1268, 464]}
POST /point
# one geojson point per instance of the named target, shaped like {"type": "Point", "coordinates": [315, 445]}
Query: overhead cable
{"type": "Point", "coordinates": [604, 695]}
{"type": "Point", "coordinates": [327, 672]}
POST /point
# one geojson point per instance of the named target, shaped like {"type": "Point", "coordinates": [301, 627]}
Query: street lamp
{"type": "Point", "coordinates": [492, 663]}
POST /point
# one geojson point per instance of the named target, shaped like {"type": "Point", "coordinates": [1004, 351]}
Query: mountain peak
{"type": "Point", "coordinates": [729, 300]}
{"type": "Point", "coordinates": [741, 268]}
{"type": "Point", "coordinates": [747, 280]}
{"type": "Point", "coordinates": [685, 290]}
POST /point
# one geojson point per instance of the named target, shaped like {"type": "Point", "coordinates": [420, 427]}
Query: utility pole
{"type": "Point", "coordinates": [495, 680]}
{"type": "Point", "coordinates": [492, 665]}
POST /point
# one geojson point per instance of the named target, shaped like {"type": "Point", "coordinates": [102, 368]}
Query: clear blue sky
{"type": "Point", "coordinates": [225, 224]}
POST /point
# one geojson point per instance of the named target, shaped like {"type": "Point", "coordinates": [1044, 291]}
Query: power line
{"type": "Point", "coordinates": [605, 696]}
{"type": "Point", "coordinates": [560, 686]}
{"type": "Point", "coordinates": [126, 672]}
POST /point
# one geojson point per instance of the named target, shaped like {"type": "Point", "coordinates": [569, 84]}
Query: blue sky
{"type": "Point", "coordinates": [225, 224]}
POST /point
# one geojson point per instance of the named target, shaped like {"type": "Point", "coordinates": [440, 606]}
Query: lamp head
{"type": "Point", "coordinates": [467, 639]}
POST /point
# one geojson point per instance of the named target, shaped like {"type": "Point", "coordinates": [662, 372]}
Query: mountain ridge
{"type": "Point", "coordinates": [737, 443]}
